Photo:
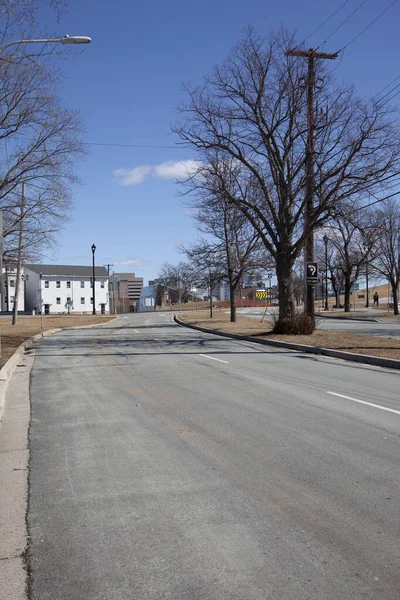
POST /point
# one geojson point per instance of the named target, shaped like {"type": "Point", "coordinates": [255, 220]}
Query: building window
{"type": "Point", "coordinates": [69, 300]}
{"type": "Point", "coordinates": [46, 284]}
{"type": "Point", "coordinates": [82, 300]}
{"type": "Point", "coordinates": [12, 283]}
{"type": "Point", "coordinates": [102, 284]}
{"type": "Point", "coordinates": [58, 284]}
{"type": "Point", "coordinates": [82, 284]}
{"type": "Point", "coordinates": [68, 284]}
{"type": "Point", "coordinates": [91, 300]}
{"type": "Point", "coordinates": [58, 300]}
{"type": "Point", "coordinates": [12, 299]}
{"type": "Point", "coordinates": [91, 282]}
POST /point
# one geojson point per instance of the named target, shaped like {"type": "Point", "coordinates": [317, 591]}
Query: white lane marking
{"type": "Point", "coordinates": [392, 410]}
{"type": "Point", "coordinates": [136, 331]}
{"type": "Point", "coordinates": [212, 358]}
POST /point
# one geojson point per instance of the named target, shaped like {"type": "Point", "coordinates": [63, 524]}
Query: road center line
{"type": "Point", "coordinates": [392, 410]}
{"type": "Point", "coordinates": [212, 358]}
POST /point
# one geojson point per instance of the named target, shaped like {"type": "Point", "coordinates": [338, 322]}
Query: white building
{"type": "Point", "coordinates": [8, 288]}
{"type": "Point", "coordinates": [147, 301]}
{"type": "Point", "coordinates": [66, 289]}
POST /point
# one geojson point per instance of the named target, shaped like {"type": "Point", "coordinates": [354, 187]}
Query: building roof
{"type": "Point", "coordinates": [67, 270]}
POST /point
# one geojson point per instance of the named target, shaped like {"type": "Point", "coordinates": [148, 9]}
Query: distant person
{"type": "Point", "coordinates": [376, 299]}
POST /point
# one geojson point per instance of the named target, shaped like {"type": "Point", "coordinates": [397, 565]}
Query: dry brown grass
{"type": "Point", "coordinates": [348, 342]}
{"type": "Point", "coordinates": [14, 335]}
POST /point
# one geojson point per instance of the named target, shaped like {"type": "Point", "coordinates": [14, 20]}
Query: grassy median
{"type": "Point", "coordinates": [348, 342]}
{"type": "Point", "coordinates": [26, 327]}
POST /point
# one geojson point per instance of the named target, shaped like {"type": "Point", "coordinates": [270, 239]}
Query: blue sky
{"type": "Point", "coordinates": [127, 85]}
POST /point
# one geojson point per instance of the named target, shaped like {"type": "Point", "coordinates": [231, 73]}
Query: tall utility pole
{"type": "Point", "coordinates": [19, 259]}
{"type": "Point", "coordinates": [311, 55]}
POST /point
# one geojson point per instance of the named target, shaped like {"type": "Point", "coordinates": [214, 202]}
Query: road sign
{"type": "Point", "coordinates": [261, 294]}
{"type": "Point", "coordinates": [312, 273]}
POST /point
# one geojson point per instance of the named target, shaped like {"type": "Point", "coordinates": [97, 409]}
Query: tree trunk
{"type": "Point", "coordinates": [284, 274]}
{"type": "Point", "coordinates": [335, 291]}
{"type": "Point", "coordinates": [347, 295]}
{"type": "Point", "coordinates": [395, 292]}
{"type": "Point", "coordinates": [232, 296]}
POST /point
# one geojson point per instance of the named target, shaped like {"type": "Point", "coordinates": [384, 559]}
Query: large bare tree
{"type": "Point", "coordinates": [231, 246]}
{"type": "Point", "coordinates": [248, 125]}
{"type": "Point", "coordinates": [40, 140]}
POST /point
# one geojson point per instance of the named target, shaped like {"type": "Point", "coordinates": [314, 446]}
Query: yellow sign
{"type": "Point", "coordinates": [261, 294]}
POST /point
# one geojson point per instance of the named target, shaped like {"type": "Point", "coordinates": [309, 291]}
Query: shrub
{"type": "Point", "coordinates": [299, 324]}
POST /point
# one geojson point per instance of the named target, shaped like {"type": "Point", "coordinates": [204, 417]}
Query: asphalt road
{"type": "Point", "coordinates": [390, 329]}
{"type": "Point", "coordinates": [171, 464]}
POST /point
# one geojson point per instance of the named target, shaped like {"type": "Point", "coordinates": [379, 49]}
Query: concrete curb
{"type": "Point", "coordinates": [388, 363]}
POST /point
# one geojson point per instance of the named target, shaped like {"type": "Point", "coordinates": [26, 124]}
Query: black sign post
{"type": "Point", "coordinates": [312, 273]}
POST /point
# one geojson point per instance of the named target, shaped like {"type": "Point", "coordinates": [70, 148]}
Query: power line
{"type": "Point", "coordinates": [341, 52]}
{"type": "Point", "coordinates": [377, 201]}
{"type": "Point", "coordinates": [326, 21]}
{"type": "Point", "coordinates": [391, 97]}
{"type": "Point", "coordinates": [345, 21]}
{"type": "Point", "coordinates": [389, 92]}
{"type": "Point", "coordinates": [369, 25]}
{"type": "Point", "coordinates": [386, 86]}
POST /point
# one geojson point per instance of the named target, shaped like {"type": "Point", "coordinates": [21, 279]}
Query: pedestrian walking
{"type": "Point", "coordinates": [376, 299]}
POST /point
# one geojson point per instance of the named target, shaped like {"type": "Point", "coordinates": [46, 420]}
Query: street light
{"type": "Point", "coordinates": [73, 39]}
{"type": "Point", "coordinates": [326, 240]}
{"type": "Point", "coordinates": [94, 281]}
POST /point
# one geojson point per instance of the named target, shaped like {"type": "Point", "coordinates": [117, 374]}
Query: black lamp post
{"type": "Point", "coordinates": [326, 240]}
{"type": "Point", "coordinates": [94, 282]}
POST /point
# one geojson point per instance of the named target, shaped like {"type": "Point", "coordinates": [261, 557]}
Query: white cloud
{"type": "Point", "coordinates": [176, 169]}
{"type": "Point", "coordinates": [127, 262]}
{"type": "Point", "coordinates": [132, 176]}
{"type": "Point", "coordinates": [171, 169]}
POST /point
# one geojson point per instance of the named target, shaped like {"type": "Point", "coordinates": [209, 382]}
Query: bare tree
{"type": "Point", "coordinates": [248, 125]}
{"type": "Point", "coordinates": [387, 247]}
{"type": "Point", "coordinates": [41, 139]}
{"type": "Point", "coordinates": [232, 246]}
{"type": "Point", "coordinates": [178, 277]}
{"type": "Point", "coordinates": [45, 213]}
{"type": "Point", "coordinates": [352, 238]}
{"type": "Point", "coordinates": [18, 19]}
